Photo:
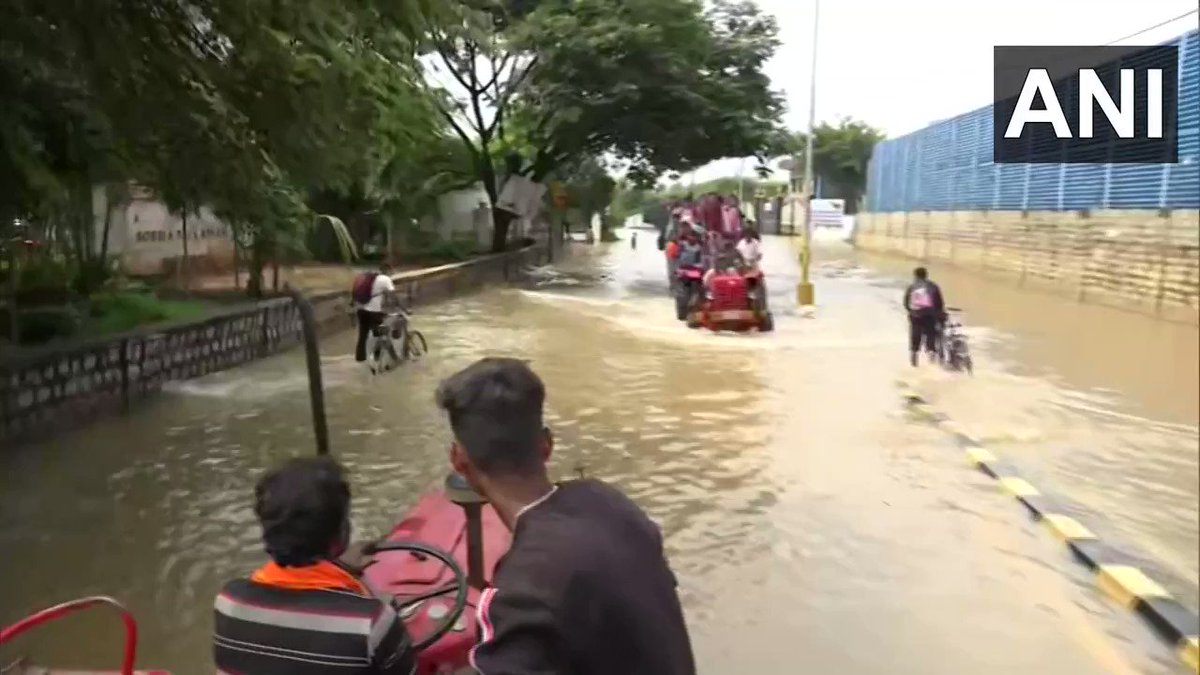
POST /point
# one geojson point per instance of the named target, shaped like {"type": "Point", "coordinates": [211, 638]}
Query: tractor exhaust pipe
{"type": "Point", "coordinates": [460, 492]}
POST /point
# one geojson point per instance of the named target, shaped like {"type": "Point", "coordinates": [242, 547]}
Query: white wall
{"type": "Point", "coordinates": [143, 234]}
{"type": "Point", "coordinates": [459, 212]}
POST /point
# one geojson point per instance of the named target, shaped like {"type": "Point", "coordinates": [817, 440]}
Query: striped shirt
{"type": "Point", "coordinates": [268, 630]}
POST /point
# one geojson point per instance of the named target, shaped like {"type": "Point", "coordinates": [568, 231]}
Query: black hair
{"type": "Point", "coordinates": [495, 410]}
{"type": "Point", "coordinates": [921, 273]}
{"type": "Point", "coordinates": [304, 507]}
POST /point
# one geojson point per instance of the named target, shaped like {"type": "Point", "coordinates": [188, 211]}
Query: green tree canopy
{"type": "Point", "coordinates": [660, 84]}
{"type": "Point", "coordinates": [841, 152]}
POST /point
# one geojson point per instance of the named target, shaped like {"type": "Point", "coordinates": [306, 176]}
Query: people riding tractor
{"type": "Point", "coordinates": [750, 248]}
{"type": "Point", "coordinates": [691, 251]}
{"type": "Point", "coordinates": [585, 586]}
{"type": "Point", "coordinates": [672, 253]}
{"type": "Point", "coordinates": [711, 212]}
{"type": "Point", "coordinates": [726, 261]}
{"type": "Point", "coordinates": [731, 219]}
{"type": "Point", "coordinates": [304, 601]}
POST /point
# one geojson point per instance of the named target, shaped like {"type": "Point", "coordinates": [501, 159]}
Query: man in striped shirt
{"type": "Point", "coordinates": [303, 613]}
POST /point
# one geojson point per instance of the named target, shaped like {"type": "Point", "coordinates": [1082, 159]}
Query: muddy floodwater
{"type": "Point", "coordinates": [814, 525]}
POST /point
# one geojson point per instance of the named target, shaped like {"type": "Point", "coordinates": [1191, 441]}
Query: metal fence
{"type": "Point", "coordinates": [948, 167]}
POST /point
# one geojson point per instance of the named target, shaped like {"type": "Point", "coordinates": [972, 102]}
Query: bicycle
{"type": "Point", "coordinates": [395, 326]}
{"type": "Point", "coordinates": [954, 351]}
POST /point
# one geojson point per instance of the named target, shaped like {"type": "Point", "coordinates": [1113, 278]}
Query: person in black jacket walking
{"type": "Point", "coordinates": [926, 312]}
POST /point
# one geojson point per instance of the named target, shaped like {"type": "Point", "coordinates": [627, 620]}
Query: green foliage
{"type": "Point", "coordinates": [272, 112]}
{"type": "Point", "coordinates": [46, 323]}
{"type": "Point", "coordinates": [243, 105]}
{"type": "Point", "coordinates": [840, 155]}
{"type": "Point", "coordinates": [660, 84]}
{"type": "Point", "coordinates": [663, 84]}
{"type": "Point", "coordinates": [105, 314]}
{"type": "Point", "coordinates": [447, 251]}
{"type": "Point", "coordinates": [588, 187]}
{"type": "Point", "coordinates": [119, 312]}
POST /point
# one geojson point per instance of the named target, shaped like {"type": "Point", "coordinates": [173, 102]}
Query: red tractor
{"type": "Point", "coordinates": [733, 300]}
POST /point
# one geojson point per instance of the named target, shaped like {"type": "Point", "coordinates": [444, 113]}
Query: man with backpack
{"type": "Point", "coordinates": [369, 291]}
{"type": "Point", "coordinates": [926, 311]}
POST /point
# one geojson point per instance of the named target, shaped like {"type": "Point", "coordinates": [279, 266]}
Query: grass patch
{"type": "Point", "coordinates": [119, 312]}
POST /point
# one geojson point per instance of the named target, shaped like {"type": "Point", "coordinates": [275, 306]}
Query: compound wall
{"type": "Point", "coordinates": [1123, 234]}
{"type": "Point", "coordinates": [948, 167]}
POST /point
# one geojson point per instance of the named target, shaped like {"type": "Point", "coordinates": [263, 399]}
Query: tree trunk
{"type": "Point", "coordinates": [183, 264]}
{"type": "Point", "coordinates": [104, 240]}
{"type": "Point", "coordinates": [254, 273]}
{"type": "Point", "coordinates": [501, 220]}
{"type": "Point", "coordinates": [237, 257]}
{"type": "Point", "coordinates": [14, 272]}
{"type": "Point", "coordinates": [390, 256]}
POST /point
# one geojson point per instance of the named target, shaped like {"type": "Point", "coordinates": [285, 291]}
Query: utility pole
{"type": "Point", "coordinates": [805, 295]}
{"type": "Point", "coordinates": [741, 181]}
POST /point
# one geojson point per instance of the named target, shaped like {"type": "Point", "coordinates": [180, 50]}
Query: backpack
{"type": "Point", "coordinates": [919, 298]}
{"type": "Point", "coordinates": [363, 285]}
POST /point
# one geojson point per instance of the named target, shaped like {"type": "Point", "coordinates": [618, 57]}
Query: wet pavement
{"type": "Point", "coordinates": [815, 527]}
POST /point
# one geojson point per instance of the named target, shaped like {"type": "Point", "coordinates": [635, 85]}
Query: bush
{"type": "Point", "coordinates": [42, 325]}
{"type": "Point", "coordinates": [118, 312]}
{"type": "Point", "coordinates": [44, 280]}
{"type": "Point", "coordinates": [442, 251]}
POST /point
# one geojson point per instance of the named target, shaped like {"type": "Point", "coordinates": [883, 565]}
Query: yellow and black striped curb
{"type": "Point", "coordinates": [1118, 575]}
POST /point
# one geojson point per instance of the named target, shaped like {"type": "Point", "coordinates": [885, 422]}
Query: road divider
{"type": "Point", "coordinates": [1117, 575]}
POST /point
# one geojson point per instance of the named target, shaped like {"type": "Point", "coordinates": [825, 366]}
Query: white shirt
{"type": "Point", "coordinates": [382, 284]}
{"type": "Point", "coordinates": [750, 250]}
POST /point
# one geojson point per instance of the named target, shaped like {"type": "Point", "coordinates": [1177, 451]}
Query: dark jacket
{"type": "Point", "coordinates": [585, 589]}
{"type": "Point", "coordinates": [937, 310]}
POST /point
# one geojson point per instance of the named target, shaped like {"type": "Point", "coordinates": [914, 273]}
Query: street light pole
{"type": "Point", "coordinates": [741, 181]}
{"type": "Point", "coordinates": [804, 292]}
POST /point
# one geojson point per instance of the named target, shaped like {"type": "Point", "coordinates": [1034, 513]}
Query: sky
{"type": "Point", "coordinates": [900, 65]}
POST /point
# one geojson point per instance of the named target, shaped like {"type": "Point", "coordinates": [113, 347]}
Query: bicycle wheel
{"type": "Point", "coordinates": [414, 345]}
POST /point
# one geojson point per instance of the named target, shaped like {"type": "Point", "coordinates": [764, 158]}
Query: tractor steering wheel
{"type": "Point", "coordinates": [458, 587]}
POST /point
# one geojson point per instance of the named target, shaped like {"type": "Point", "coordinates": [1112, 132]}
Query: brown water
{"type": "Point", "coordinates": [1094, 404]}
{"type": "Point", "coordinates": [814, 526]}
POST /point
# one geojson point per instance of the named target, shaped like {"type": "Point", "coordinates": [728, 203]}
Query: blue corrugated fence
{"type": "Point", "coordinates": [948, 167]}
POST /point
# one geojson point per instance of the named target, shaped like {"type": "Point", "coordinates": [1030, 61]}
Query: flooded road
{"type": "Point", "coordinates": [1094, 404]}
{"type": "Point", "coordinates": [813, 525]}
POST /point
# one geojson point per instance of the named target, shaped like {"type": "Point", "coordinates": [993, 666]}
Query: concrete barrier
{"type": "Point", "coordinates": [47, 391]}
{"type": "Point", "coordinates": [1140, 260]}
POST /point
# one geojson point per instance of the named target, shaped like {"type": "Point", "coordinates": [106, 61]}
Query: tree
{"type": "Point", "coordinates": [588, 186]}
{"type": "Point", "coordinates": [620, 83]}
{"type": "Point", "coordinates": [248, 105]}
{"type": "Point", "coordinates": [840, 156]}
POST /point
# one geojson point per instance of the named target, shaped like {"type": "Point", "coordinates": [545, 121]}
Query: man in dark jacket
{"type": "Point", "coordinates": [585, 587]}
{"type": "Point", "coordinates": [926, 312]}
